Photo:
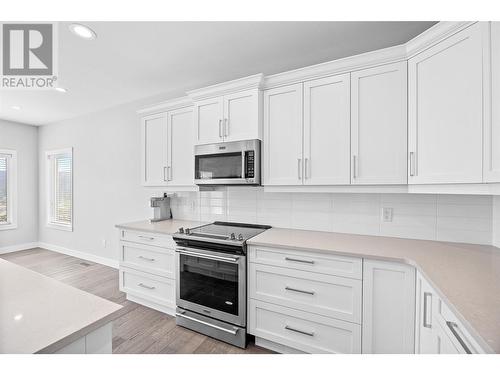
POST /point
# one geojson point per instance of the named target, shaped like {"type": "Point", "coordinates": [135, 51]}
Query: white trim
{"type": "Point", "coordinates": [166, 106]}
{"type": "Point", "coordinates": [19, 247]}
{"type": "Point", "coordinates": [49, 189]}
{"type": "Point", "coordinates": [434, 35]}
{"type": "Point", "coordinates": [80, 254]}
{"type": "Point", "coordinates": [220, 89]}
{"type": "Point", "coordinates": [343, 65]}
{"type": "Point", "coordinates": [336, 189]}
{"type": "Point", "coordinates": [12, 200]}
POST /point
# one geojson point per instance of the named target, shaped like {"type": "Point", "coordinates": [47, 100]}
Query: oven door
{"type": "Point", "coordinates": [212, 284]}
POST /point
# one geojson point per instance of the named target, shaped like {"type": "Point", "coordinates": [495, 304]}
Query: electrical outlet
{"type": "Point", "coordinates": [387, 214]}
{"type": "Point", "coordinates": [104, 243]}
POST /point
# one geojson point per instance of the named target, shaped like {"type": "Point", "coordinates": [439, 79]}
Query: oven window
{"type": "Point", "coordinates": [209, 283]}
{"type": "Point", "coordinates": [219, 166]}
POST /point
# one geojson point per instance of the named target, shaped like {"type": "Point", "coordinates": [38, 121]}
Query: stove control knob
{"type": "Point", "coordinates": [233, 236]}
{"type": "Point", "coordinates": [181, 230]}
{"type": "Point", "coordinates": [240, 237]}
{"type": "Point", "coordinates": [187, 231]}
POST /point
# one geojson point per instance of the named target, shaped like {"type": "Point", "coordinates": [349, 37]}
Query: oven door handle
{"type": "Point", "coordinates": [207, 256]}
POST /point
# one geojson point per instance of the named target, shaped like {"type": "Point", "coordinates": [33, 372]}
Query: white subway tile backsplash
{"type": "Point", "coordinates": [457, 218]}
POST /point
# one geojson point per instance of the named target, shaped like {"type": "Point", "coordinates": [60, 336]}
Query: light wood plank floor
{"type": "Point", "coordinates": [139, 329]}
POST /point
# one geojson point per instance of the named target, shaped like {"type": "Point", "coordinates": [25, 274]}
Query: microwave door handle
{"type": "Point", "coordinates": [243, 165]}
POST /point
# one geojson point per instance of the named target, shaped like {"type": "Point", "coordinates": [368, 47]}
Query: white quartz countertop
{"type": "Point", "coordinates": [41, 315]}
{"type": "Point", "coordinates": [169, 226]}
{"type": "Point", "coordinates": [467, 276]}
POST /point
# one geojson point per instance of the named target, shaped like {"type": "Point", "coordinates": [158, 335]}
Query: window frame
{"type": "Point", "coordinates": [50, 186]}
{"type": "Point", "coordinates": [11, 190]}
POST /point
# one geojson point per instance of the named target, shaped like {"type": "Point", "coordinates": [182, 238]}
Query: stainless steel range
{"type": "Point", "coordinates": [211, 279]}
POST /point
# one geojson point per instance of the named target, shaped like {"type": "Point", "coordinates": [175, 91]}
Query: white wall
{"type": "Point", "coordinates": [106, 178]}
{"type": "Point", "coordinates": [23, 139]}
{"type": "Point", "coordinates": [496, 221]}
{"type": "Point", "coordinates": [456, 218]}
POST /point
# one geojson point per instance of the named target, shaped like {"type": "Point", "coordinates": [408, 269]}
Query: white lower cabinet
{"type": "Point", "coordinates": [98, 341]}
{"type": "Point", "coordinates": [388, 307]}
{"type": "Point", "coordinates": [437, 329]}
{"type": "Point", "coordinates": [301, 301]}
{"type": "Point", "coordinates": [147, 269]}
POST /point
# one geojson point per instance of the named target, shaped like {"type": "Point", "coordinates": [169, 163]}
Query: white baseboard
{"type": "Point", "coordinates": [23, 246]}
{"type": "Point", "coordinates": [80, 254]}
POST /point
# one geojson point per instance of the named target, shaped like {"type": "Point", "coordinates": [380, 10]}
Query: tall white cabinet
{"type": "Point", "coordinates": [379, 125]}
{"type": "Point", "coordinates": [167, 144]}
{"type": "Point", "coordinates": [446, 110]}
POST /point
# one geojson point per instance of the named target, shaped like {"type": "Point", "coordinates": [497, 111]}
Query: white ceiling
{"type": "Point", "coordinates": [134, 60]}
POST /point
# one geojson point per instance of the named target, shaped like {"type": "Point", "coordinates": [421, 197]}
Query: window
{"type": "Point", "coordinates": [8, 189]}
{"type": "Point", "coordinates": [60, 189]}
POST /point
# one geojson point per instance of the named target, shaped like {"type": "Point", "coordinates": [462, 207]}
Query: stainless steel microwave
{"type": "Point", "coordinates": [228, 163]}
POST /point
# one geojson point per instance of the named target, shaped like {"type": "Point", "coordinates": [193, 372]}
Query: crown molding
{"type": "Point", "coordinates": [433, 35]}
{"type": "Point", "coordinates": [343, 65]}
{"type": "Point", "coordinates": [167, 105]}
{"type": "Point", "coordinates": [245, 83]}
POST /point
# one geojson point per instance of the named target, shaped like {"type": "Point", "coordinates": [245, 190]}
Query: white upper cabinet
{"type": "Point", "coordinates": [446, 111]}
{"type": "Point", "coordinates": [180, 160]}
{"type": "Point", "coordinates": [492, 125]}
{"type": "Point", "coordinates": [242, 115]}
{"type": "Point", "coordinates": [208, 118]}
{"type": "Point", "coordinates": [154, 149]}
{"type": "Point", "coordinates": [326, 131]}
{"type": "Point", "coordinates": [167, 139]}
{"type": "Point", "coordinates": [379, 125]}
{"type": "Point", "coordinates": [283, 136]}
{"type": "Point", "coordinates": [230, 111]}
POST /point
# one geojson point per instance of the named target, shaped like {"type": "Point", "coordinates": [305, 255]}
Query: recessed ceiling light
{"type": "Point", "coordinates": [16, 107]}
{"type": "Point", "coordinates": [60, 89]}
{"type": "Point", "coordinates": [82, 31]}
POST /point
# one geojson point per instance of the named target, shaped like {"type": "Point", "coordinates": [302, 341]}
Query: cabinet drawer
{"type": "Point", "coordinates": [156, 289]}
{"type": "Point", "coordinates": [303, 331]}
{"type": "Point", "coordinates": [331, 296]}
{"type": "Point", "coordinates": [307, 261]}
{"type": "Point", "coordinates": [151, 259]}
{"type": "Point", "coordinates": [147, 238]}
{"type": "Point", "coordinates": [456, 331]}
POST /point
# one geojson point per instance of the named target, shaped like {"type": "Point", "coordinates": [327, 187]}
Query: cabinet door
{"type": "Point", "coordinates": [445, 111]}
{"type": "Point", "coordinates": [180, 161]}
{"type": "Point", "coordinates": [425, 335]}
{"type": "Point", "coordinates": [154, 149]}
{"type": "Point", "coordinates": [326, 131]}
{"type": "Point", "coordinates": [379, 125]}
{"type": "Point", "coordinates": [283, 136]}
{"type": "Point", "coordinates": [388, 307]}
{"type": "Point", "coordinates": [241, 115]}
{"type": "Point", "coordinates": [492, 126]}
{"type": "Point", "coordinates": [208, 116]}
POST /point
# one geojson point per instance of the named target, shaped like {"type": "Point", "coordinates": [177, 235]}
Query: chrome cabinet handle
{"type": "Point", "coordinates": [207, 256]}
{"type": "Point", "coordinates": [299, 169]}
{"type": "Point", "coordinates": [220, 128]}
{"type": "Point", "coordinates": [146, 238]}
{"type": "Point", "coordinates": [299, 260]}
{"type": "Point", "coordinates": [169, 173]}
{"type": "Point", "coordinates": [412, 163]}
{"type": "Point", "coordinates": [231, 331]}
{"type": "Point", "coordinates": [148, 259]}
{"type": "Point", "coordinates": [354, 169]}
{"type": "Point", "coordinates": [165, 176]}
{"type": "Point", "coordinates": [299, 331]}
{"type": "Point", "coordinates": [425, 323]}
{"type": "Point", "coordinates": [146, 286]}
{"type": "Point", "coordinates": [226, 127]}
{"type": "Point", "coordinates": [306, 173]}
{"type": "Point", "coordinates": [299, 290]}
{"type": "Point", "coordinates": [454, 329]}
